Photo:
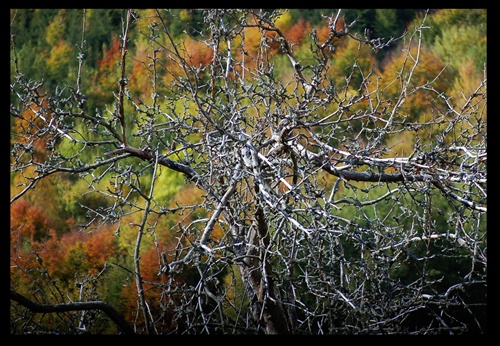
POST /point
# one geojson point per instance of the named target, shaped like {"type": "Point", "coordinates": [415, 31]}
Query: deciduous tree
{"type": "Point", "coordinates": [302, 217]}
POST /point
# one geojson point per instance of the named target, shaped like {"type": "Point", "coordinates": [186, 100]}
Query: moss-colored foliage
{"type": "Point", "coordinates": [285, 21]}
{"type": "Point", "coordinates": [100, 24]}
{"type": "Point", "coordinates": [458, 37]}
{"type": "Point", "coordinates": [56, 30]}
{"type": "Point", "coordinates": [381, 23]}
{"type": "Point", "coordinates": [168, 184]}
{"type": "Point", "coordinates": [107, 74]}
{"type": "Point", "coordinates": [190, 21]}
{"type": "Point", "coordinates": [353, 62]}
{"type": "Point", "coordinates": [314, 16]}
{"type": "Point", "coordinates": [441, 20]}
{"type": "Point", "coordinates": [459, 45]}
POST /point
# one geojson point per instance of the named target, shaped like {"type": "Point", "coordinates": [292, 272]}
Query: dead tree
{"type": "Point", "coordinates": [317, 212]}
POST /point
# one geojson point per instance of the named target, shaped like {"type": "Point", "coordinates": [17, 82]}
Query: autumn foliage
{"type": "Point", "coordinates": [56, 237]}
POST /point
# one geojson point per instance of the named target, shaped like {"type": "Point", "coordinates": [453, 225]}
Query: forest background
{"type": "Point", "coordinates": [50, 224]}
